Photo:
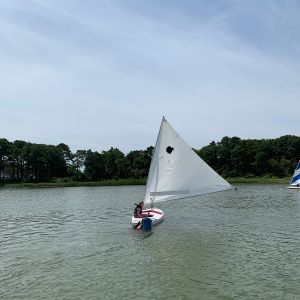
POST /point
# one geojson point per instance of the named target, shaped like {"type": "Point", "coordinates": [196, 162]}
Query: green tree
{"type": "Point", "coordinates": [94, 166]}
{"type": "Point", "coordinates": [116, 164]}
{"type": "Point", "coordinates": [139, 162]}
{"type": "Point", "coordinates": [4, 153]}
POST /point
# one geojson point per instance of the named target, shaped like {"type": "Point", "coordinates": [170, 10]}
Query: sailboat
{"type": "Point", "coordinates": [295, 182]}
{"type": "Point", "coordinates": [176, 172]}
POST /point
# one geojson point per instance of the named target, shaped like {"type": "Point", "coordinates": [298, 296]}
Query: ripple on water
{"type": "Point", "coordinates": [77, 243]}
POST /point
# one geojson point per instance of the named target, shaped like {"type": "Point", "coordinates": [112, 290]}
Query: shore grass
{"type": "Point", "coordinates": [259, 180]}
{"type": "Point", "coordinates": [62, 183]}
{"type": "Point", "coordinates": [131, 181]}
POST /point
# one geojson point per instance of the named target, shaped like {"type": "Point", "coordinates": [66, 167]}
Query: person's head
{"type": "Point", "coordinates": [141, 204]}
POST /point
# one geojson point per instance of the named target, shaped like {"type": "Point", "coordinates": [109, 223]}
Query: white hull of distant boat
{"type": "Point", "coordinates": [293, 187]}
{"type": "Point", "coordinates": [176, 172]}
{"type": "Point", "coordinates": [295, 182]}
{"type": "Point", "coordinates": [156, 216]}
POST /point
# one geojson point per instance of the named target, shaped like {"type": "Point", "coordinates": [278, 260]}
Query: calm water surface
{"type": "Point", "coordinates": [77, 243]}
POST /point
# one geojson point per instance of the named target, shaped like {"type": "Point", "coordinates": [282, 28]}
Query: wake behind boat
{"type": "Point", "coordinates": [295, 182]}
{"type": "Point", "coordinates": [177, 172]}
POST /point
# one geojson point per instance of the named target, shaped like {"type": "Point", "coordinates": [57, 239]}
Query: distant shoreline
{"type": "Point", "coordinates": [142, 181]}
{"type": "Point", "coordinates": [259, 180]}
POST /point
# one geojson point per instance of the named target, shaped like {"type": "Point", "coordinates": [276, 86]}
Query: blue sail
{"type": "Point", "coordinates": [296, 177]}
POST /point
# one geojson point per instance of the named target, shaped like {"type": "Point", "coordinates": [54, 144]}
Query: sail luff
{"type": "Point", "coordinates": [152, 163]}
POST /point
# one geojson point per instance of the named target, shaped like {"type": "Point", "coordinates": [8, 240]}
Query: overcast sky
{"type": "Point", "coordinates": [95, 74]}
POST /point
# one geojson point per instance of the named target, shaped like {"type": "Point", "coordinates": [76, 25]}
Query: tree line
{"type": "Point", "coordinates": [22, 161]}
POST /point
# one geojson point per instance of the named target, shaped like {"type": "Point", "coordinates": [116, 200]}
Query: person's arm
{"type": "Point", "coordinates": [140, 213]}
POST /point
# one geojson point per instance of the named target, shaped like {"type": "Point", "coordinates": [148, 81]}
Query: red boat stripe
{"type": "Point", "coordinates": [152, 210]}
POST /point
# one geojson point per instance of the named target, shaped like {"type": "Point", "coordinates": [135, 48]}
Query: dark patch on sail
{"type": "Point", "coordinates": [169, 149]}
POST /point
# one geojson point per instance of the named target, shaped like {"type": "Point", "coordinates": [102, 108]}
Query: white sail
{"type": "Point", "coordinates": [176, 171]}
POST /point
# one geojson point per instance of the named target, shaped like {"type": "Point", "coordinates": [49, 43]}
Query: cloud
{"type": "Point", "coordinates": [100, 74]}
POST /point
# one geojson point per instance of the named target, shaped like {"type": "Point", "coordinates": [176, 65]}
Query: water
{"type": "Point", "coordinates": [77, 243]}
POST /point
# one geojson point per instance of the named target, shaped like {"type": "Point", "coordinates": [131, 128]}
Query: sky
{"type": "Point", "coordinates": [99, 74]}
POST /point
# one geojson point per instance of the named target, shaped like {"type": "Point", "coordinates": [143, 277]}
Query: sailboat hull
{"type": "Point", "coordinates": [157, 216]}
{"type": "Point", "coordinates": [294, 187]}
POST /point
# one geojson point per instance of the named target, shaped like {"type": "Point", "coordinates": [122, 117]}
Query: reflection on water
{"type": "Point", "coordinates": [78, 243]}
